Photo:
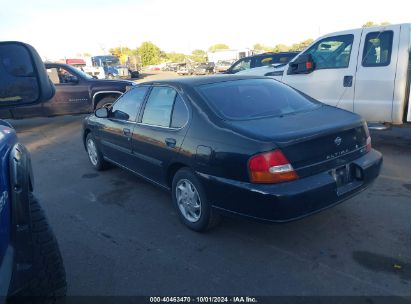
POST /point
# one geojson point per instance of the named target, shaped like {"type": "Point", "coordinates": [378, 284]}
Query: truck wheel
{"type": "Point", "coordinates": [189, 198]}
{"type": "Point", "coordinates": [48, 283]}
{"type": "Point", "coordinates": [94, 154]}
{"type": "Point", "coordinates": [105, 101]}
{"type": "Point", "coordinates": [110, 76]}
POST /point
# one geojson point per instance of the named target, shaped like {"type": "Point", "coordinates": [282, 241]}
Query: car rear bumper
{"type": "Point", "coordinates": [290, 200]}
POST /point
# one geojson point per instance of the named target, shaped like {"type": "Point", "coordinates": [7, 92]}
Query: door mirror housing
{"type": "Point", "coordinates": [101, 112]}
{"type": "Point", "coordinates": [23, 77]}
{"type": "Point", "coordinates": [303, 64]}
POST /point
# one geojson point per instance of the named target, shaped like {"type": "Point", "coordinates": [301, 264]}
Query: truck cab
{"type": "Point", "coordinates": [366, 71]}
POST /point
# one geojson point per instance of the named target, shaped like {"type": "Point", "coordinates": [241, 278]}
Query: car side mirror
{"type": "Point", "coordinates": [23, 77]}
{"type": "Point", "coordinates": [101, 112]}
{"type": "Point", "coordinates": [303, 64]}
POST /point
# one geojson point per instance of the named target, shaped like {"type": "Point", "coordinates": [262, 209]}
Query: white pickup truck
{"type": "Point", "coordinates": [366, 71]}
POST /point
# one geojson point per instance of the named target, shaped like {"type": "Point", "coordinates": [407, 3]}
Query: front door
{"type": "Point", "coordinates": [72, 93]}
{"type": "Point", "coordinates": [116, 131]}
{"type": "Point", "coordinates": [333, 79]}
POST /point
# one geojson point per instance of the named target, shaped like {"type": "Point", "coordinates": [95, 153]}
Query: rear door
{"type": "Point", "coordinates": [116, 131]}
{"type": "Point", "coordinates": [158, 135]}
{"type": "Point", "coordinates": [375, 78]}
{"type": "Point", "coordinates": [332, 80]}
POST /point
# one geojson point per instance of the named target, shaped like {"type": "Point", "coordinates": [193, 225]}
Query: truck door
{"type": "Point", "coordinates": [335, 62]}
{"type": "Point", "coordinates": [72, 93]}
{"type": "Point", "coordinates": [376, 73]}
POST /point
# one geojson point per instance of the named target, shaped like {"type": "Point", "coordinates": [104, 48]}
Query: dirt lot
{"type": "Point", "coordinates": [120, 235]}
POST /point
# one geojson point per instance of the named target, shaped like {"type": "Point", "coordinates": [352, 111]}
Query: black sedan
{"type": "Point", "coordinates": [247, 146]}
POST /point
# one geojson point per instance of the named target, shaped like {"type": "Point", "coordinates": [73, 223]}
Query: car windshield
{"type": "Point", "coordinates": [254, 98]}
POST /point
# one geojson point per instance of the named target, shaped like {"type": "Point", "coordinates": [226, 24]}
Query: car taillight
{"type": "Point", "coordinates": [368, 147]}
{"type": "Point", "coordinates": [367, 133]}
{"type": "Point", "coordinates": [271, 167]}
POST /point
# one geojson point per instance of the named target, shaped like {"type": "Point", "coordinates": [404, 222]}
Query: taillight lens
{"type": "Point", "coordinates": [271, 167]}
{"type": "Point", "coordinates": [368, 147]}
{"type": "Point", "coordinates": [367, 133]}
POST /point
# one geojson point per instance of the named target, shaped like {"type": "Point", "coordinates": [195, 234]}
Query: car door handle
{"type": "Point", "coordinates": [126, 132]}
{"type": "Point", "coordinates": [171, 142]}
{"type": "Point", "coordinates": [348, 81]}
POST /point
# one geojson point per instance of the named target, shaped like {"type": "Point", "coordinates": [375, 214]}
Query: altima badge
{"type": "Point", "coordinates": [338, 141]}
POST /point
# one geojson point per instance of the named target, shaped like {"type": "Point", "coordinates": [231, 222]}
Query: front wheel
{"type": "Point", "coordinates": [191, 202]}
{"type": "Point", "coordinates": [106, 102]}
{"type": "Point", "coordinates": [94, 154]}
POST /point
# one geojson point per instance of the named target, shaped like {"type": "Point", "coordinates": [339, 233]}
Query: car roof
{"type": "Point", "coordinates": [63, 65]}
{"type": "Point", "coordinates": [201, 80]}
{"type": "Point", "coordinates": [271, 54]}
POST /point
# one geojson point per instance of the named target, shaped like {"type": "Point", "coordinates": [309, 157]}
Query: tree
{"type": "Point", "coordinates": [150, 53]}
{"type": "Point", "coordinates": [298, 47]}
{"type": "Point", "coordinates": [372, 23]}
{"type": "Point", "coordinates": [260, 47]}
{"type": "Point", "coordinates": [176, 57]}
{"type": "Point", "coordinates": [198, 55]}
{"type": "Point", "coordinates": [369, 24]}
{"type": "Point", "coordinates": [218, 46]}
{"type": "Point", "coordinates": [119, 51]}
{"type": "Point", "coordinates": [280, 48]}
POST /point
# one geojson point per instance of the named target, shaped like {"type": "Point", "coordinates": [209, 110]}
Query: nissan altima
{"type": "Point", "coordinates": [239, 145]}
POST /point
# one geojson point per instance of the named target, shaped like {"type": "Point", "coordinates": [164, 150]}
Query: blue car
{"type": "Point", "coordinates": [30, 261]}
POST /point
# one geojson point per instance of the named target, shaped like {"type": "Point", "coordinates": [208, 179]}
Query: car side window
{"type": "Point", "coordinates": [332, 52]}
{"type": "Point", "coordinates": [159, 106]}
{"type": "Point", "coordinates": [244, 64]}
{"type": "Point", "coordinates": [263, 61]}
{"type": "Point", "coordinates": [60, 76]}
{"type": "Point", "coordinates": [377, 49]}
{"type": "Point", "coordinates": [128, 105]}
{"type": "Point", "coordinates": [180, 113]}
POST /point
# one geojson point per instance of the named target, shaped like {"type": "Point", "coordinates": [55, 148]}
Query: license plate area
{"type": "Point", "coordinates": [347, 177]}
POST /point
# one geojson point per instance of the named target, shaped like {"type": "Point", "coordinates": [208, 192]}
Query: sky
{"type": "Point", "coordinates": [63, 29]}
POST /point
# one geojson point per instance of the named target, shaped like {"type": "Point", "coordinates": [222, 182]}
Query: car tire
{"type": "Point", "coordinates": [110, 76]}
{"type": "Point", "coordinates": [48, 281]}
{"type": "Point", "coordinates": [105, 101]}
{"type": "Point", "coordinates": [94, 154]}
{"type": "Point", "coordinates": [204, 217]}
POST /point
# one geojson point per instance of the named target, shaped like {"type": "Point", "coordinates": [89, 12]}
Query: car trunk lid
{"type": "Point", "coordinates": [313, 141]}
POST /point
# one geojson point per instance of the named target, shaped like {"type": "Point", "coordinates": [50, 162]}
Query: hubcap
{"type": "Point", "coordinates": [188, 200]}
{"type": "Point", "coordinates": [92, 151]}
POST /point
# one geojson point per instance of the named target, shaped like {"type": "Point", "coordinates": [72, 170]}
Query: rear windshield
{"type": "Point", "coordinates": [254, 98]}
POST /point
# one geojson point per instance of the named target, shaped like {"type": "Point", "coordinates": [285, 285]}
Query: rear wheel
{"type": "Point", "coordinates": [48, 283]}
{"type": "Point", "coordinates": [191, 202]}
{"type": "Point", "coordinates": [94, 154]}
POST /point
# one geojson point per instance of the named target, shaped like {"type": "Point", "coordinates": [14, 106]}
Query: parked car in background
{"type": "Point", "coordinates": [231, 144]}
{"type": "Point", "coordinates": [365, 70]}
{"type": "Point", "coordinates": [185, 69]}
{"type": "Point", "coordinates": [266, 59]}
{"type": "Point", "coordinates": [223, 65]}
{"type": "Point", "coordinates": [76, 92]}
{"type": "Point", "coordinates": [204, 68]}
